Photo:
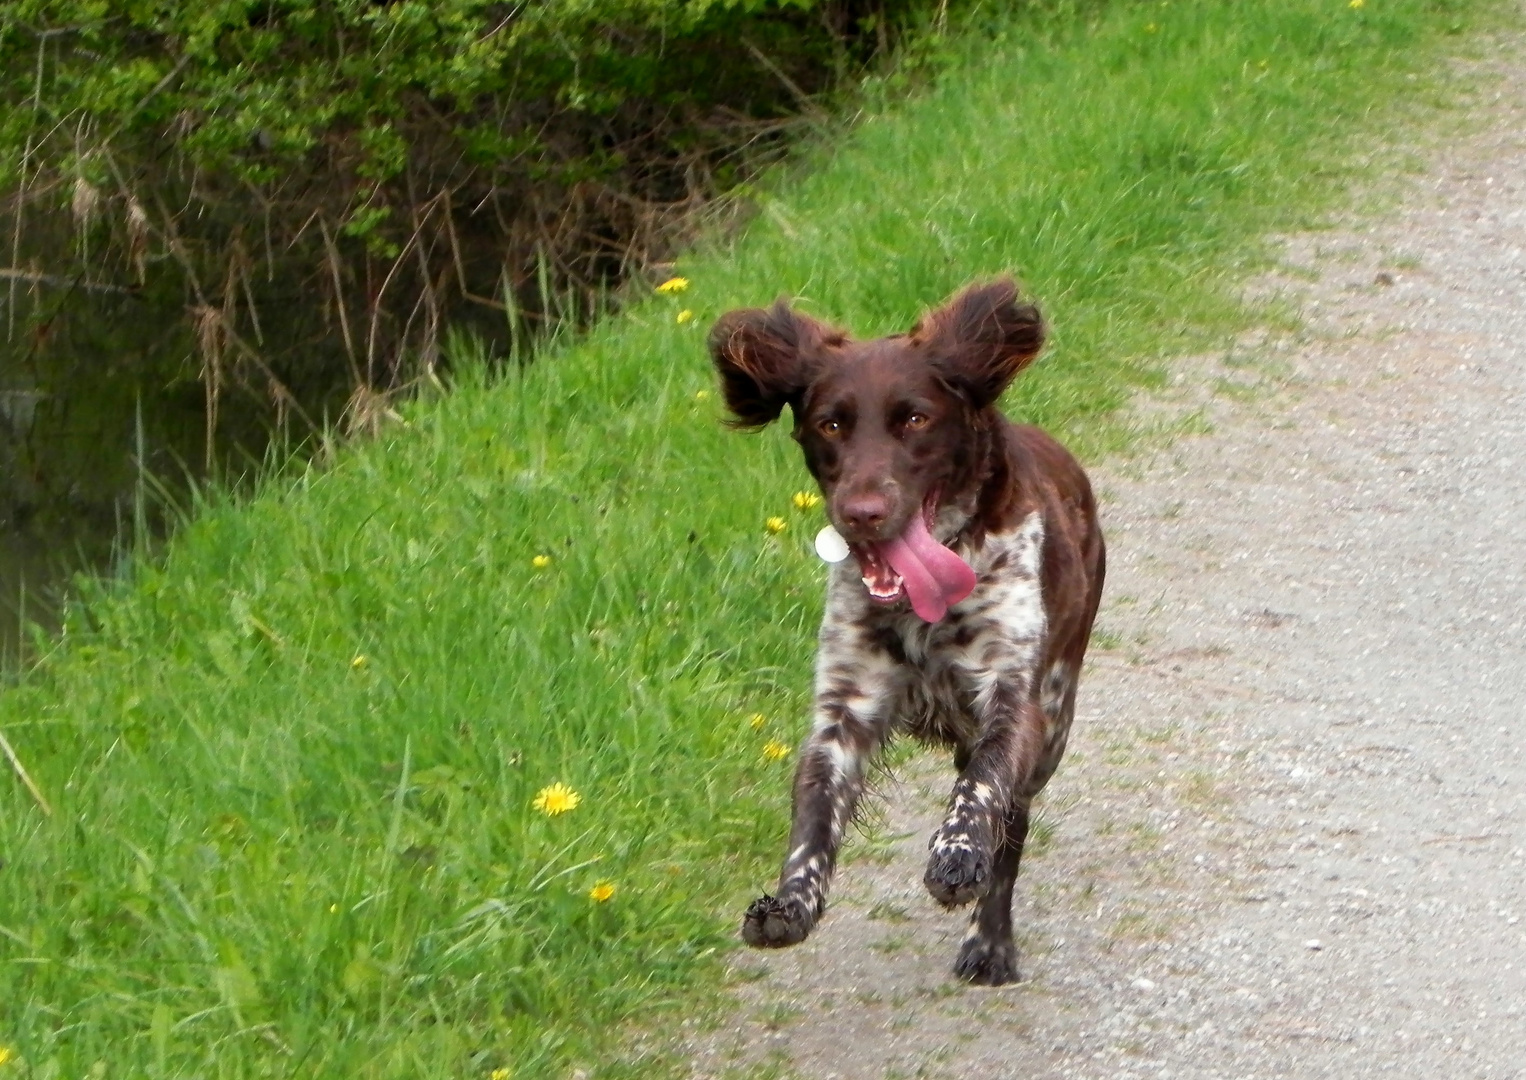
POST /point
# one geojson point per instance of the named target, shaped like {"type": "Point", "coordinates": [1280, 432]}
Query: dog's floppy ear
{"type": "Point", "coordinates": [982, 338]}
{"type": "Point", "coordinates": [765, 359]}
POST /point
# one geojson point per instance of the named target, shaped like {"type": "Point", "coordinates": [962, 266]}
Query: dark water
{"type": "Point", "coordinates": [84, 395]}
{"type": "Point", "coordinates": [104, 426]}
{"type": "Point", "coordinates": [102, 386]}
{"type": "Point", "coordinates": [26, 569]}
{"type": "Point", "coordinates": [69, 484]}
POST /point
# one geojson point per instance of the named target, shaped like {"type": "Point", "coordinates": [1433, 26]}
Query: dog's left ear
{"type": "Point", "coordinates": [982, 338]}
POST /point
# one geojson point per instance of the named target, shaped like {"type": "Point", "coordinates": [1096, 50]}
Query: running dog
{"type": "Point", "coordinates": [970, 565]}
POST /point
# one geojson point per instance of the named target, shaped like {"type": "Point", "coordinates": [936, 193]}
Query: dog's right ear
{"type": "Point", "coordinates": [765, 359]}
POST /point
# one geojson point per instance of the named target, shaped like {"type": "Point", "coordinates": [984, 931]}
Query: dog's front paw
{"type": "Point", "coordinates": [773, 923]}
{"type": "Point", "coordinates": [987, 963]}
{"type": "Point", "coordinates": [957, 869]}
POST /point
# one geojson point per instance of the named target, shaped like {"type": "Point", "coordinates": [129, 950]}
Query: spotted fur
{"type": "Point", "coordinates": [907, 425]}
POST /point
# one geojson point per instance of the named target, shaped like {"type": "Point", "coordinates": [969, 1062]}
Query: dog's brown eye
{"type": "Point", "coordinates": [830, 428]}
{"type": "Point", "coordinates": [917, 421]}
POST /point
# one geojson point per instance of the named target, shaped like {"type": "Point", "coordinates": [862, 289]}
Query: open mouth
{"type": "Point", "coordinates": [915, 567]}
{"type": "Point", "coordinates": [885, 585]}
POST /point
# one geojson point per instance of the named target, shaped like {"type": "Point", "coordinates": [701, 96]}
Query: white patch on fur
{"type": "Point", "coordinates": [810, 869]}
{"type": "Point", "coordinates": [1010, 602]}
{"type": "Point", "coordinates": [841, 658]}
{"type": "Point", "coordinates": [846, 764]}
{"type": "Point", "coordinates": [1017, 587]}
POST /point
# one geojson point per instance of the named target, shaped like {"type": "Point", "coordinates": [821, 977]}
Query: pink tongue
{"type": "Point", "coordinates": [935, 577]}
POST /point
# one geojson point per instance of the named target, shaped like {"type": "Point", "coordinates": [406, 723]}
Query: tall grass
{"type": "Point", "coordinates": [294, 761]}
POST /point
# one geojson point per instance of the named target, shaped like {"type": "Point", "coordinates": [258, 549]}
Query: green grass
{"type": "Point", "coordinates": [293, 760]}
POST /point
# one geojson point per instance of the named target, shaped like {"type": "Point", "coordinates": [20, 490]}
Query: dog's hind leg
{"type": "Point", "coordinates": [853, 696]}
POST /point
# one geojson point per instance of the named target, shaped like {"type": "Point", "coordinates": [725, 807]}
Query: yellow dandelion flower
{"type": "Point", "coordinates": [1357, 4]}
{"type": "Point", "coordinates": [673, 285]}
{"type": "Point", "coordinates": [806, 500]}
{"type": "Point", "coordinates": [776, 525]}
{"type": "Point", "coordinates": [702, 395]}
{"type": "Point", "coordinates": [499, 1074]}
{"type": "Point", "coordinates": [758, 721]}
{"type": "Point", "coordinates": [556, 799]}
{"type": "Point", "coordinates": [601, 892]}
{"type": "Point", "coordinates": [775, 751]}
{"type": "Point", "coordinates": [360, 661]}
{"type": "Point", "coordinates": [540, 562]}
{"type": "Point", "coordinates": [685, 316]}
{"type": "Point", "coordinates": [6, 1053]}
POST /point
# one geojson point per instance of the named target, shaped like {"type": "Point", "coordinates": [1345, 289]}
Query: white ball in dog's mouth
{"type": "Point", "coordinates": [831, 546]}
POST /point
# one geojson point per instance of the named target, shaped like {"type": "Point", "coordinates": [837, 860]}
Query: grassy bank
{"type": "Point", "coordinates": [298, 765]}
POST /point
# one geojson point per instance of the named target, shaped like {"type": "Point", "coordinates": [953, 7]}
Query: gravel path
{"type": "Point", "coordinates": [1290, 838]}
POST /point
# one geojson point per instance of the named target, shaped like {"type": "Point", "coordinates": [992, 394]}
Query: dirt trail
{"type": "Point", "coordinates": [1290, 838]}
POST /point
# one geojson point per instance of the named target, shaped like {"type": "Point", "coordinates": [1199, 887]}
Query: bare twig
{"type": "Point", "coordinates": [376, 303]}
{"type": "Point", "coordinates": [801, 97]}
{"type": "Point", "coordinates": [209, 324]}
{"type": "Point", "coordinates": [242, 264]}
{"type": "Point", "coordinates": [429, 350]}
{"type": "Point", "coordinates": [10, 327]}
{"type": "Point", "coordinates": [8, 273]}
{"type": "Point", "coordinates": [332, 252]}
{"type": "Point", "coordinates": [455, 254]}
{"type": "Point", "coordinates": [214, 330]}
{"type": "Point", "coordinates": [21, 773]}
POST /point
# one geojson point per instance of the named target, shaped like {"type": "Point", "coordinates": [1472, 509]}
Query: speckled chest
{"type": "Point", "coordinates": [945, 677]}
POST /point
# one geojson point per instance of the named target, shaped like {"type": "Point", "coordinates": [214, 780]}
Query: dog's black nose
{"type": "Point", "coordinates": [864, 514]}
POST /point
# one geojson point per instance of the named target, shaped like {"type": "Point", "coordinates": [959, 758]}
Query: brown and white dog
{"type": "Point", "coordinates": [964, 613]}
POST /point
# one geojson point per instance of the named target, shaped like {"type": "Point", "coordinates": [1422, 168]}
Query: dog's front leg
{"type": "Point", "coordinates": [989, 798]}
{"type": "Point", "coordinates": [976, 851]}
{"type": "Point", "coordinates": [854, 689]}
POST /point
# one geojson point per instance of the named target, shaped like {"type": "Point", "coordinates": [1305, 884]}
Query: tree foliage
{"type": "Point", "coordinates": [308, 187]}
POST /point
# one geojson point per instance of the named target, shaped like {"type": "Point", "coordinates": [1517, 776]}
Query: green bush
{"type": "Point", "coordinates": [323, 186]}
